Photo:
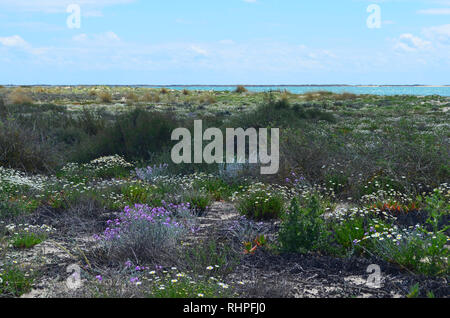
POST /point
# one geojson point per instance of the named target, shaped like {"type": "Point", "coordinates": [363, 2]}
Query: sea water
{"type": "Point", "coordinates": [373, 90]}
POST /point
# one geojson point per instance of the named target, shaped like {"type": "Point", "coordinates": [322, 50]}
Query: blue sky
{"type": "Point", "coordinates": [225, 42]}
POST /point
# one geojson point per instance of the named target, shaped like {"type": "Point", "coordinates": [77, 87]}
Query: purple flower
{"type": "Point", "coordinates": [134, 279]}
{"type": "Point", "coordinates": [99, 278]}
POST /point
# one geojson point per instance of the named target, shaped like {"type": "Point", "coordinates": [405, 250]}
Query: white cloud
{"type": "Point", "coordinates": [97, 39]}
{"type": "Point", "coordinates": [58, 6]}
{"type": "Point", "coordinates": [14, 41]}
{"type": "Point", "coordinates": [440, 34]}
{"type": "Point", "coordinates": [106, 51]}
{"type": "Point", "coordinates": [437, 11]}
{"type": "Point", "coordinates": [199, 50]}
{"type": "Point", "coordinates": [410, 43]}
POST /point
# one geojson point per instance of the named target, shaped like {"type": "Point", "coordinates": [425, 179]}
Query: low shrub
{"type": "Point", "coordinates": [3, 109]}
{"type": "Point", "coordinates": [152, 173]}
{"type": "Point", "coordinates": [27, 236]}
{"type": "Point", "coordinates": [131, 98]}
{"type": "Point", "coordinates": [113, 166]}
{"type": "Point", "coordinates": [260, 202]}
{"type": "Point", "coordinates": [200, 256]}
{"type": "Point", "coordinates": [240, 89]}
{"type": "Point", "coordinates": [414, 250]}
{"type": "Point", "coordinates": [14, 282]}
{"type": "Point", "coordinates": [25, 149]}
{"type": "Point", "coordinates": [105, 96]}
{"type": "Point", "coordinates": [303, 228]}
{"type": "Point", "coordinates": [142, 193]}
{"type": "Point", "coordinates": [138, 134]}
{"type": "Point", "coordinates": [151, 97]}
{"type": "Point", "coordinates": [217, 187]}
{"type": "Point", "coordinates": [27, 240]}
{"type": "Point", "coordinates": [20, 96]}
{"type": "Point", "coordinates": [278, 112]}
{"type": "Point", "coordinates": [347, 232]}
{"type": "Point", "coordinates": [185, 287]}
{"type": "Point", "coordinates": [345, 96]}
{"type": "Point", "coordinates": [244, 230]}
{"type": "Point", "coordinates": [207, 99]}
{"type": "Point", "coordinates": [146, 234]}
{"type": "Point", "coordinates": [199, 201]}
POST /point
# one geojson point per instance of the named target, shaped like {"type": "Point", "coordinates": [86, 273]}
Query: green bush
{"type": "Point", "coordinates": [134, 135]}
{"type": "Point", "coordinates": [25, 149]}
{"type": "Point", "coordinates": [27, 240]}
{"type": "Point", "coordinates": [3, 109]}
{"type": "Point", "coordinates": [303, 228]}
{"type": "Point", "coordinates": [199, 201]}
{"type": "Point", "coordinates": [422, 253]}
{"type": "Point", "coordinates": [275, 112]}
{"type": "Point", "coordinates": [14, 282]}
{"type": "Point", "coordinates": [261, 204]}
{"type": "Point", "coordinates": [346, 232]}
{"type": "Point", "coordinates": [210, 252]}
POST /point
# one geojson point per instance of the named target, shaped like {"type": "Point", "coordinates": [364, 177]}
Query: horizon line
{"type": "Point", "coordinates": [247, 85]}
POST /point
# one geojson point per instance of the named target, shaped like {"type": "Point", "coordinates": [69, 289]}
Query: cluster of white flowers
{"type": "Point", "coordinates": [110, 162]}
{"type": "Point", "coordinates": [13, 177]}
{"type": "Point", "coordinates": [14, 229]}
{"type": "Point", "coordinates": [266, 191]}
{"type": "Point", "coordinates": [99, 164]}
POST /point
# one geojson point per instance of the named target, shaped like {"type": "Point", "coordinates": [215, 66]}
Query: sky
{"type": "Point", "coordinates": [164, 42]}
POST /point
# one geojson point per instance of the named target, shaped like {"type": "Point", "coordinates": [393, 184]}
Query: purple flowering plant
{"type": "Point", "coordinates": [145, 230]}
{"type": "Point", "coordinates": [151, 173]}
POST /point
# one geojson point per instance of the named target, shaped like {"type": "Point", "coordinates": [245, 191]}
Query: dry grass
{"type": "Point", "coordinates": [131, 98]}
{"type": "Point", "coordinates": [40, 89]}
{"type": "Point", "coordinates": [3, 109]}
{"type": "Point", "coordinates": [316, 95]}
{"type": "Point", "coordinates": [105, 96]}
{"type": "Point", "coordinates": [151, 97]}
{"type": "Point", "coordinates": [19, 96]}
{"type": "Point", "coordinates": [241, 89]}
{"type": "Point", "coordinates": [346, 96]}
{"type": "Point", "coordinates": [207, 99]}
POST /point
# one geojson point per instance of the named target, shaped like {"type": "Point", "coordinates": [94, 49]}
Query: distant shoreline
{"type": "Point", "coordinates": [229, 85]}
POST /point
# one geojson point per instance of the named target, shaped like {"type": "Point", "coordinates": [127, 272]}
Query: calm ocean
{"type": "Point", "coordinates": [375, 90]}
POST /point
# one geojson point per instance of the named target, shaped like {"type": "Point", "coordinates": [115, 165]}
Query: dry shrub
{"type": "Point", "coordinates": [316, 95]}
{"type": "Point", "coordinates": [345, 96]}
{"type": "Point", "coordinates": [186, 92]}
{"type": "Point", "coordinates": [164, 91]}
{"type": "Point", "coordinates": [207, 99]}
{"type": "Point", "coordinates": [105, 97]}
{"type": "Point", "coordinates": [131, 98]}
{"type": "Point", "coordinates": [25, 149]}
{"type": "Point", "coordinates": [19, 96]}
{"type": "Point", "coordinates": [151, 97]}
{"type": "Point", "coordinates": [241, 89]}
{"type": "Point", "coordinates": [3, 109]}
